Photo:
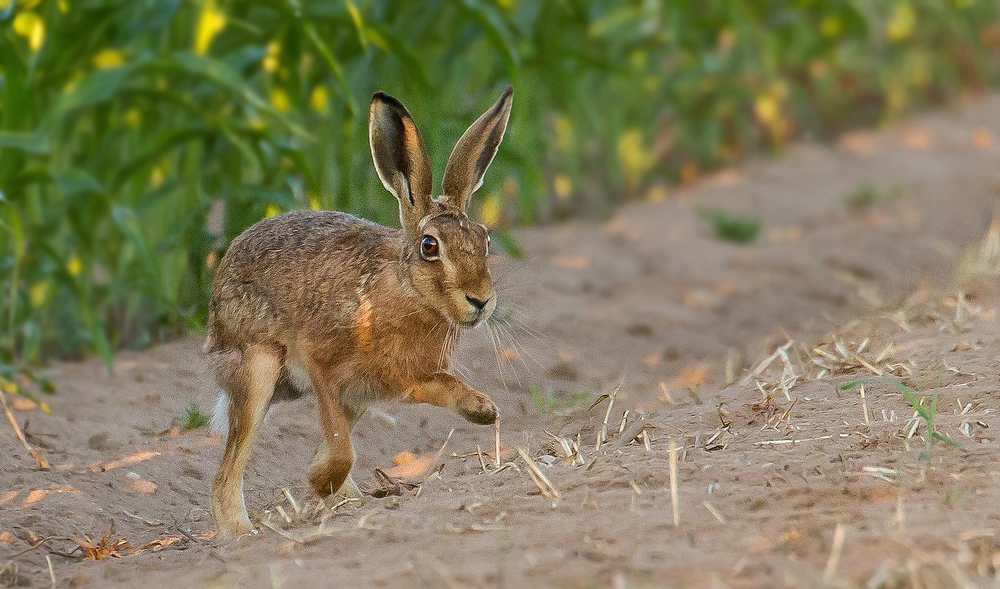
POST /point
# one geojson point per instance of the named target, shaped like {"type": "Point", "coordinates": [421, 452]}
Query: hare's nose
{"type": "Point", "coordinates": [478, 304]}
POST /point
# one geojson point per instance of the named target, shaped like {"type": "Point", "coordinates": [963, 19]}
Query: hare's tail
{"type": "Point", "coordinates": [289, 386]}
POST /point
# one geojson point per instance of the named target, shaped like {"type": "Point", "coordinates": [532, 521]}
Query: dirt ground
{"type": "Point", "coordinates": [732, 354]}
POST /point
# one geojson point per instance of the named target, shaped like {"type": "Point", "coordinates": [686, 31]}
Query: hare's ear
{"type": "Point", "coordinates": [400, 158]}
{"type": "Point", "coordinates": [474, 151]}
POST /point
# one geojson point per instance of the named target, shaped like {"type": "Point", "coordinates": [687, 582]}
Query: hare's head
{"type": "Point", "coordinates": [446, 251]}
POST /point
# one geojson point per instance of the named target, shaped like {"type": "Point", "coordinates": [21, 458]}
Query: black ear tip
{"type": "Point", "coordinates": [394, 105]}
{"type": "Point", "coordinates": [508, 92]}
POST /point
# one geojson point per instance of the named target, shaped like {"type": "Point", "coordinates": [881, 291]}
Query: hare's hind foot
{"type": "Point", "coordinates": [444, 390]}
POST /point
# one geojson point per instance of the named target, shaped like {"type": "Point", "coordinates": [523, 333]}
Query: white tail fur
{"type": "Point", "coordinates": [220, 415]}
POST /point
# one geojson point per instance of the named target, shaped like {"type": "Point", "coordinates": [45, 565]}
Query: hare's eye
{"type": "Point", "coordinates": [429, 247]}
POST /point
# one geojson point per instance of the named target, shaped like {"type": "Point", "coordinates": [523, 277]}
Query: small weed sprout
{"type": "Point", "coordinates": [193, 417]}
{"type": "Point", "coordinates": [732, 227]}
{"type": "Point", "coordinates": [924, 412]}
{"type": "Point", "coordinates": [546, 401]}
{"type": "Point", "coordinates": [869, 196]}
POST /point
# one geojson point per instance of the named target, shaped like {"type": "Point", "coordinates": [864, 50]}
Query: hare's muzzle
{"type": "Point", "coordinates": [480, 309]}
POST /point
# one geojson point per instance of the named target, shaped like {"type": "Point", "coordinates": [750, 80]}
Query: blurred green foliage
{"type": "Point", "coordinates": [732, 227]}
{"type": "Point", "coordinates": [138, 137]}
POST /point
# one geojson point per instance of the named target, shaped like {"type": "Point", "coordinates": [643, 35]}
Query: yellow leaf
{"type": "Point", "coordinates": [74, 265]}
{"type": "Point", "coordinates": [319, 99]}
{"type": "Point", "coordinates": [564, 133]}
{"type": "Point", "coordinates": [634, 157]}
{"type": "Point", "coordinates": [108, 58]}
{"type": "Point", "coordinates": [272, 210]}
{"type": "Point", "coordinates": [30, 25]}
{"type": "Point", "coordinates": [314, 203]}
{"type": "Point", "coordinates": [133, 118]}
{"type": "Point", "coordinates": [156, 177]}
{"type": "Point", "coordinates": [210, 22]}
{"type": "Point", "coordinates": [766, 108]}
{"type": "Point", "coordinates": [562, 186]}
{"type": "Point", "coordinates": [376, 38]}
{"type": "Point", "coordinates": [901, 23]}
{"type": "Point", "coordinates": [490, 213]}
{"type": "Point", "coordinates": [64, 6]}
{"type": "Point", "coordinates": [39, 292]}
{"type": "Point", "coordinates": [831, 26]}
{"type": "Point", "coordinates": [896, 96]}
{"type": "Point", "coordinates": [356, 17]}
{"type": "Point", "coordinates": [270, 62]}
{"type": "Point", "coordinates": [280, 101]}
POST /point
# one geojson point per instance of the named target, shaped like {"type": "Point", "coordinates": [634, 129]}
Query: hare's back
{"type": "Point", "coordinates": [311, 241]}
{"type": "Point", "coordinates": [297, 267]}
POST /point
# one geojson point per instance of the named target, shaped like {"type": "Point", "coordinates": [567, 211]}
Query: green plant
{"type": "Point", "coordinates": [924, 412]}
{"type": "Point", "coordinates": [732, 227]}
{"type": "Point", "coordinates": [870, 196]}
{"type": "Point", "coordinates": [547, 402]}
{"type": "Point", "coordinates": [138, 138]}
{"type": "Point", "coordinates": [193, 417]}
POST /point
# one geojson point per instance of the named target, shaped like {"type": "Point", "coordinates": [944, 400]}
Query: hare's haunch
{"type": "Point", "coordinates": [354, 311]}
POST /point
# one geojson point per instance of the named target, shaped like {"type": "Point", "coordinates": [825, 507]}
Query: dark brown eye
{"type": "Point", "coordinates": [429, 247]}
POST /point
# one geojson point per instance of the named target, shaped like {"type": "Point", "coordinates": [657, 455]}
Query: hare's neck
{"type": "Point", "coordinates": [419, 316]}
{"type": "Point", "coordinates": [407, 291]}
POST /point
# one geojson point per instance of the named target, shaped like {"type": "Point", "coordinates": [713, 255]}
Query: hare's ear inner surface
{"type": "Point", "coordinates": [400, 158]}
{"type": "Point", "coordinates": [474, 151]}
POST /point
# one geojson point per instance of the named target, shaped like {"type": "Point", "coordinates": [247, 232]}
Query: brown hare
{"type": "Point", "coordinates": [354, 311]}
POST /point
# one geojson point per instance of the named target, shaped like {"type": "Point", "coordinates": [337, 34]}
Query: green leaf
{"type": "Point", "coordinates": [486, 16]}
{"type": "Point", "coordinates": [509, 244]}
{"type": "Point", "coordinates": [97, 87]}
{"type": "Point", "coordinates": [159, 146]}
{"type": "Point", "coordinates": [76, 181]}
{"type": "Point", "coordinates": [32, 143]}
{"type": "Point", "coordinates": [219, 73]}
{"type": "Point", "coordinates": [359, 22]}
{"type": "Point", "coordinates": [411, 61]}
{"type": "Point", "coordinates": [338, 71]}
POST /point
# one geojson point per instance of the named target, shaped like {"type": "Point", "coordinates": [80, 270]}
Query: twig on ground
{"type": "Point", "coordinates": [538, 477]}
{"type": "Point", "coordinates": [43, 463]}
{"type": "Point", "coordinates": [673, 482]}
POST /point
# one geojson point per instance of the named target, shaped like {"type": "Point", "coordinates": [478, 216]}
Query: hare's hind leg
{"type": "Point", "coordinates": [251, 388]}
{"type": "Point", "coordinates": [444, 390]}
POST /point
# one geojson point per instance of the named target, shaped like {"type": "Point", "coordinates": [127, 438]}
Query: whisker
{"type": "Point", "coordinates": [496, 353]}
{"type": "Point", "coordinates": [519, 348]}
{"type": "Point", "coordinates": [506, 338]}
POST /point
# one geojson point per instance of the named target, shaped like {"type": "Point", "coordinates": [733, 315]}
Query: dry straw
{"type": "Point", "coordinates": [541, 481]}
{"type": "Point", "coordinates": [838, 547]}
{"type": "Point", "coordinates": [673, 483]}
{"type": "Point", "coordinates": [43, 463]}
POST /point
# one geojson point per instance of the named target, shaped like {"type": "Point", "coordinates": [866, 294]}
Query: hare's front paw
{"type": "Point", "coordinates": [478, 408]}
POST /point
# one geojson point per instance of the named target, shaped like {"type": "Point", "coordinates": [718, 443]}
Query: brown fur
{"type": "Point", "coordinates": [353, 305]}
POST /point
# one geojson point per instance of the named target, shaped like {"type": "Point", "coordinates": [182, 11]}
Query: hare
{"type": "Point", "coordinates": [354, 311]}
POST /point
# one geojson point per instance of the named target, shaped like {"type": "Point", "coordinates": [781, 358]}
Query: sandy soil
{"type": "Point", "coordinates": [782, 478]}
